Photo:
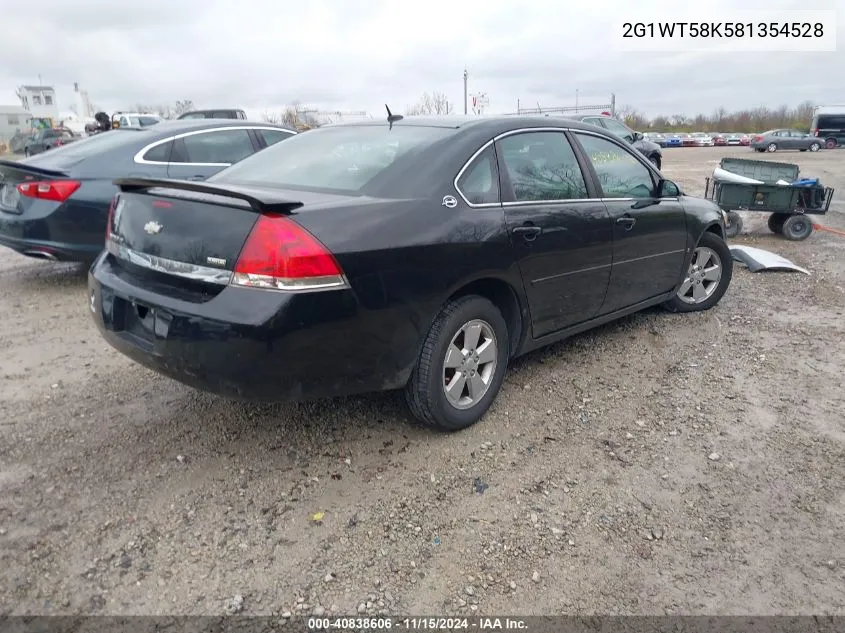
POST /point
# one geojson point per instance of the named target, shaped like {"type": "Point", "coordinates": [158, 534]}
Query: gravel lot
{"type": "Point", "coordinates": [661, 464]}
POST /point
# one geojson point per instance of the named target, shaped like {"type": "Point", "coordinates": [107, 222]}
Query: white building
{"type": "Point", "coordinates": [40, 101]}
{"type": "Point", "coordinates": [13, 119]}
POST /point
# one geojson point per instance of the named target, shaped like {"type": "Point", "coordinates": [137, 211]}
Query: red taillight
{"type": "Point", "coordinates": [55, 190]}
{"type": "Point", "coordinates": [282, 255]}
{"type": "Point", "coordinates": [815, 132]}
{"type": "Point", "coordinates": [758, 138]}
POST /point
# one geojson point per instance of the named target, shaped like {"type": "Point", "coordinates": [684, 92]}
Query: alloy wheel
{"type": "Point", "coordinates": [703, 276]}
{"type": "Point", "coordinates": [470, 364]}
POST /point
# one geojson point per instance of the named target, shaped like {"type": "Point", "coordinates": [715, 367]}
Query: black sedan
{"type": "Point", "coordinates": [415, 254]}
{"type": "Point", "coordinates": [54, 205]}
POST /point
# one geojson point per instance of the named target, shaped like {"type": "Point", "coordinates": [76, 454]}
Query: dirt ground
{"type": "Point", "coordinates": [662, 464]}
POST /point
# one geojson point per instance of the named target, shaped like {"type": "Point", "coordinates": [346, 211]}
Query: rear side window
{"type": "Point", "coordinates": [221, 147]}
{"type": "Point", "coordinates": [479, 183]}
{"type": "Point", "coordinates": [271, 137]}
{"type": "Point", "coordinates": [160, 153]}
{"type": "Point", "coordinates": [542, 166]}
{"type": "Point", "coordinates": [344, 159]}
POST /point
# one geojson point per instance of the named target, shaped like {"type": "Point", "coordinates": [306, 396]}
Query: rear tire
{"type": "Point", "coordinates": [830, 143]}
{"type": "Point", "coordinates": [710, 251]}
{"type": "Point", "coordinates": [776, 221]}
{"type": "Point", "coordinates": [772, 147]}
{"type": "Point", "coordinates": [734, 225]}
{"type": "Point", "coordinates": [426, 393]}
{"type": "Point", "coordinates": [797, 227]}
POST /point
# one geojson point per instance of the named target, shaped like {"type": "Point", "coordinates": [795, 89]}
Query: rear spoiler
{"type": "Point", "coordinates": [260, 200]}
{"type": "Point", "coordinates": [33, 169]}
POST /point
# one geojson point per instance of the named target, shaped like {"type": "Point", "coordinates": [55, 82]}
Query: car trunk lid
{"type": "Point", "coordinates": [14, 173]}
{"type": "Point", "coordinates": [189, 232]}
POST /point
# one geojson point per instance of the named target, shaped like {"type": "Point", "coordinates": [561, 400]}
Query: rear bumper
{"type": "Point", "coordinates": [60, 251]}
{"type": "Point", "coordinates": [72, 231]}
{"type": "Point", "coordinates": [251, 344]}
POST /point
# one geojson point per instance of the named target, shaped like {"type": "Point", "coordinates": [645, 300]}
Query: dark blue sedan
{"type": "Point", "coordinates": [672, 140]}
{"type": "Point", "coordinates": [55, 205]}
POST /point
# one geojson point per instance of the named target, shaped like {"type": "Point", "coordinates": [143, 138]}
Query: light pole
{"type": "Point", "coordinates": [466, 76]}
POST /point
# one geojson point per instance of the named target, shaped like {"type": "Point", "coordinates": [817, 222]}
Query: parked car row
{"type": "Point", "coordinates": [420, 254]}
{"type": "Point", "coordinates": [698, 139]}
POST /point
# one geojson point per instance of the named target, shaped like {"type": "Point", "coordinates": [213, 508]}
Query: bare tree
{"type": "Point", "coordinates": [292, 116]}
{"type": "Point", "coordinates": [435, 103]}
{"type": "Point", "coordinates": [269, 117]}
{"type": "Point", "coordinates": [182, 106]}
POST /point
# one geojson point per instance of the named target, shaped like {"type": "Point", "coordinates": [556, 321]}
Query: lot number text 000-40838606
{"type": "Point", "coordinates": [740, 31]}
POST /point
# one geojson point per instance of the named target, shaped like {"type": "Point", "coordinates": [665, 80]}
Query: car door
{"type": "Point", "coordinates": [199, 155]}
{"type": "Point", "coordinates": [649, 232]}
{"type": "Point", "coordinates": [560, 231]}
{"type": "Point", "coordinates": [787, 140]}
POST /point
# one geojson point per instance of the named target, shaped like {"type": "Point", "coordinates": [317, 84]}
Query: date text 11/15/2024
{"type": "Point", "coordinates": [416, 624]}
{"type": "Point", "coordinates": [723, 29]}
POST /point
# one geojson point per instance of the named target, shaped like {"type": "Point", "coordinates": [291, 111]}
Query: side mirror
{"type": "Point", "coordinates": [638, 136]}
{"type": "Point", "coordinates": [667, 189]}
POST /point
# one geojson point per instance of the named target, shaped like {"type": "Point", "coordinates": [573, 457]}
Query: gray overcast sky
{"type": "Point", "coordinates": [359, 54]}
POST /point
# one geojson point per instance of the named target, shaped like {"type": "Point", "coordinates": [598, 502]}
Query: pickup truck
{"type": "Point", "coordinates": [220, 113]}
{"type": "Point", "coordinates": [43, 140]}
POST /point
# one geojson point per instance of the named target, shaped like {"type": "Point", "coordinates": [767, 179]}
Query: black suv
{"type": "Point", "coordinates": [648, 148]}
{"type": "Point", "coordinates": [830, 127]}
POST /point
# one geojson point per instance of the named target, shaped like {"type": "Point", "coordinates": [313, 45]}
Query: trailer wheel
{"type": "Point", "coordinates": [797, 227]}
{"type": "Point", "coordinates": [776, 221]}
{"type": "Point", "coordinates": [734, 225]}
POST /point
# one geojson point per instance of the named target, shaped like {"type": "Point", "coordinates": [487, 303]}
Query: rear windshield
{"type": "Point", "coordinates": [334, 159]}
{"type": "Point", "coordinates": [91, 145]}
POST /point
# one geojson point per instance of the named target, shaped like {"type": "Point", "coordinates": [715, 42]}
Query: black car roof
{"type": "Point", "coordinates": [496, 123]}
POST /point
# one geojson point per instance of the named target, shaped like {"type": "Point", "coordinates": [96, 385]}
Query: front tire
{"type": "Point", "coordinates": [461, 365]}
{"type": "Point", "coordinates": [814, 147]}
{"type": "Point", "coordinates": [707, 278]}
{"type": "Point", "coordinates": [772, 147]}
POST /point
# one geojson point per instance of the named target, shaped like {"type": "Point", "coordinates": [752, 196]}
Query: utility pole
{"type": "Point", "coordinates": [466, 76]}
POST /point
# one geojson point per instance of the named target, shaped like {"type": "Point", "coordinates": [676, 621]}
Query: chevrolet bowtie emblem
{"type": "Point", "coordinates": [152, 228]}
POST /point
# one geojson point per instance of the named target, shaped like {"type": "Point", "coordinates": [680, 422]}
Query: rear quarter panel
{"type": "Point", "coordinates": [405, 258]}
